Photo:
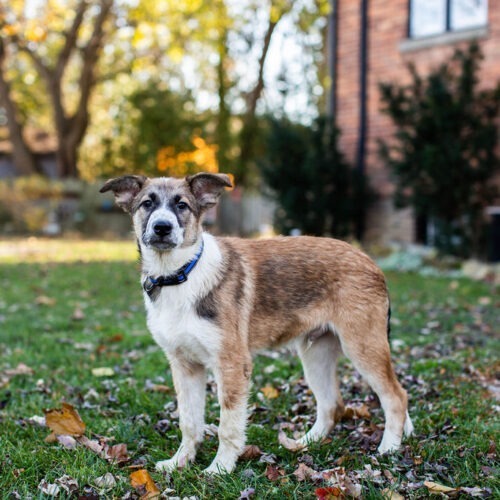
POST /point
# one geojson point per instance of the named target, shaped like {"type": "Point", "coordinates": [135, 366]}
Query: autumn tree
{"type": "Point", "coordinates": [53, 42]}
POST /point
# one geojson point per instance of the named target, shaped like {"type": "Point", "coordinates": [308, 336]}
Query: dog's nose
{"type": "Point", "coordinates": [162, 228]}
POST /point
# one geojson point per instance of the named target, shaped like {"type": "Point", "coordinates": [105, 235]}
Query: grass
{"type": "Point", "coordinates": [66, 308]}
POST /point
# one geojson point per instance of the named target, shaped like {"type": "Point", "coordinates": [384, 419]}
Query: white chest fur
{"type": "Point", "coordinates": [172, 317]}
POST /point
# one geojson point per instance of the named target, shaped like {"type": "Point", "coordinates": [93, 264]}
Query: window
{"type": "Point", "coordinates": [433, 17]}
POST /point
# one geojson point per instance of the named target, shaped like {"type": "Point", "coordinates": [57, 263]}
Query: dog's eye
{"type": "Point", "coordinates": [182, 205]}
{"type": "Point", "coordinates": [147, 204]}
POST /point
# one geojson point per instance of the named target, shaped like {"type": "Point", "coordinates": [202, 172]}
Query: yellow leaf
{"type": "Point", "coordinates": [103, 372]}
{"type": "Point", "coordinates": [438, 488]}
{"type": "Point", "coordinates": [142, 482]}
{"type": "Point", "coordinates": [65, 421]}
{"type": "Point", "coordinates": [270, 392]}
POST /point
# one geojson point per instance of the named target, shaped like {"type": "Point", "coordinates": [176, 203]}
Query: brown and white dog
{"type": "Point", "coordinates": [212, 302]}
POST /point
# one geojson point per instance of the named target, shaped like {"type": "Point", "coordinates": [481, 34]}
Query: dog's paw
{"type": "Point", "coordinates": [171, 464]}
{"type": "Point", "coordinates": [217, 469]}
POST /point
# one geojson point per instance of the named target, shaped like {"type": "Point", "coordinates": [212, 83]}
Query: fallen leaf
{"type": "Point", "coordinates": [50, 489]}
{"type": "Point", "coordinates": [485, 301]}
{"type": "Point", "coordinates": [388, 494]}
{"type": "Point", "coordinates": [290, 444]}
{"type": "Point", "coordinates": [250, 452]}
{"type": "Point", "coordinates": [37, 420]}
{"type": "Point", "coordinates": [68, 484]}
{"type": "Point", "coordinates": [158, 388]}
{"type": "Point", "coordinates": [117, 453]}
{"type": "Point", "coordinates": [65, 421]}
{"type": "Point", "coordinates": [20, 369]}
{"type": "Point", "coordinates": [142, 482]}
{"type": "Point", "coordinates": [43, 300]}
{"type": "Point", "coordinates": [274, 473]}
{"type": "Point", "coordinates": [439, 488]}
{"type": "Point", "coordinates": [330, 493]}
{"type": "Point", "coordinates": [303, 472]}
{"type": "Point", "coordinates": [103, 372]}
{"type": "Point", "coordinates": [247, 493]}
{"type": "Point", "coordinates": [78, 314]}
{"type": "Point", "coordinates": [475, 492]}
{"type": "Point", "coordinates": [91, 444]}
{"type": "Point", "coordinates": [105, 482]}
{"type": "Point", "coordinates": [68, 442]}
{"type": "Point", "coordinates": [270, 392]}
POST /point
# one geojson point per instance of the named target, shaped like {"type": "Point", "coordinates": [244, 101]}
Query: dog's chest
{"type": "Point", "coordinates": [180, 331]}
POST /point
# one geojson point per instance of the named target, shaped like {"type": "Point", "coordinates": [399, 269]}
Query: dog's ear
{"type": "Point", "coordinates": [207, 188]}
{"type": "Point", "coordinates": [125, 189]}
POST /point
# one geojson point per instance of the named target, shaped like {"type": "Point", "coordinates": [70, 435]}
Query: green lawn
{"type": "Point", "coordinates": [66, 308]}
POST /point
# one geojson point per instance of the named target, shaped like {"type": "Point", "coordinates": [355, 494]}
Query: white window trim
{"type": "Point", "coordinates": [447, 38]}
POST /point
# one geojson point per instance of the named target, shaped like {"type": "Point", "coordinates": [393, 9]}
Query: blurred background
{"type": "Point", "coordinates": [366, 120]}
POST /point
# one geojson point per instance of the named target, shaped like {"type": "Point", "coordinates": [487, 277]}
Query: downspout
{"type": "Point", "coordinates": [362, 130]}
{"type": "Point", "coordinates": [332, 42]}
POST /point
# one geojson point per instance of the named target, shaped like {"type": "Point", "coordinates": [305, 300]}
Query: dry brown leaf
{"type": "Point", "coordinates": [117, 453]}
{"type": "Point", "coordinates": [388, 494]}
{"type": "Point", "coordinates": [20, 369]}
{"type": "Point", "coordinates": [330, 493]}
{"type": "Point", "coordinates": [250, 452]}
{"type": "Point", "coordinates": [78, 314]}
{"type": "Point", "coordinates": [159, 388]}
{"type": "Point", "coordinates": [51, 438]}
{"type": "Point", "coordinates": [43, 300]}
{"type": "Point", "coordinates": [274, 473]}
{"type": "Point", "coordinates": [303, 472]}
{"type": "Point", "coordinates": [65, 421]}
{"type": "Point", "coordinates": [91, 444]}
{"type": "Point", "coordinates": [270, 392]}
{"type": "Point", "coordinates": [290, 444]}
{"type": "Point", "coordinates": [439, 488]}
{"type": "Point", "coordinates": [143, 483]}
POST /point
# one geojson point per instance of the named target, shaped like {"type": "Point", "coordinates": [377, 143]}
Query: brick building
{"type": "Point", "coordinates": [373, 41]}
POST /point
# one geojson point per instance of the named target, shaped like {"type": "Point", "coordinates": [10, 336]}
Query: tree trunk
{"type": "Point", "coordinates": [22, 157]}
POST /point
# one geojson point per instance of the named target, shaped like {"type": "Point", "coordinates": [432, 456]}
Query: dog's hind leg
{"type": "Point", "coordinates": [319, 359]}
{"type": "Point", "coordinates": [365, 343]}
{"type": "Point", "coordinates": [190, 386]}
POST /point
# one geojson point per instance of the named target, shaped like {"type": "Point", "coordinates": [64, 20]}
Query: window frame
{"type": "Point", "coordinates": [448, 28]}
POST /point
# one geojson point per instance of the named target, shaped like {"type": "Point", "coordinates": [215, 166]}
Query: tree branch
{"type": "Point", "coordinates": [71, 37]}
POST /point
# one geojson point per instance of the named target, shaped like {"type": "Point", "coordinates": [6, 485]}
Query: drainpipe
{"type": "Point", "coordinates": [363, 77]}
{"type": "Point", "coordinates": [331, 56]}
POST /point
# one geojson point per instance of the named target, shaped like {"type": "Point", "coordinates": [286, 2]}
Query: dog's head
{"type": "Point", "coordinates": [167, 212]}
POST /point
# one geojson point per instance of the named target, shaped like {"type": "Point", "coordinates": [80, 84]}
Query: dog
{"type": "Point", "coordinates": [213, 301]}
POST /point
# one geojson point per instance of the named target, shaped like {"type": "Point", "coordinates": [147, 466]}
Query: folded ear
{"type": "Point", "coordinates": [125, 189]}
{"type": "Point", "coordinates": [207, 188]}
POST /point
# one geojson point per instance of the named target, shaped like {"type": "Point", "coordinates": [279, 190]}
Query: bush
{"type": "Point", "coordinates": [445, 150]}
{"type": "Point", "coordinates": [26, 202]}
{"type": "Point", "coordinates": [317, 191]}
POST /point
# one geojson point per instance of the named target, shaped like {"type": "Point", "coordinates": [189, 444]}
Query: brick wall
{"type": "Point", "coordinates": [388, 54]}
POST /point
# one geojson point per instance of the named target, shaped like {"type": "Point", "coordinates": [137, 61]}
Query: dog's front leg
{"type": "Point", "coordinates": [190, 386]}
{"type": "Point", "coordinates": [232, 386]}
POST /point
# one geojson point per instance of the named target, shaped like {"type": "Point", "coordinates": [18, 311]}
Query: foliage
{"type": "Point", "coordinates": [65, 321]}
{"type": "Point", "coordinates": [162, 135]}
{"type": "Point", "coordinates": [317, 190]}
{"type": "Point", "coordinates": [445, 150]}
{"type": "Point", "coordinates": [64, 52]}
{"type": "Point", "coordinates": [26, 202]}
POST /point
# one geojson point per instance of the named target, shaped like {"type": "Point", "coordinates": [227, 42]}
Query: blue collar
{"type": "Point", "coordinates": [151, 284]}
